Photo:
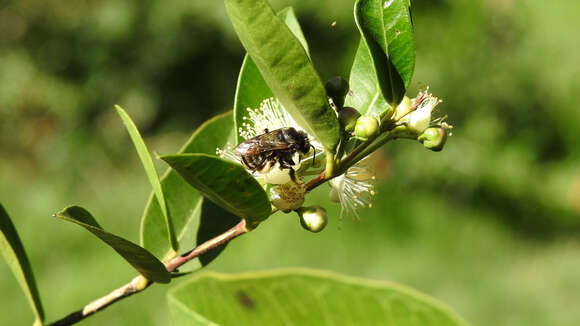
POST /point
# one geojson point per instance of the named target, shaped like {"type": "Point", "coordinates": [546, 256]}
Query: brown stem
{"type": "Point", "coordinates": [140, 283]}
{"type": "Point", "coordinates": [230, 234]}
{"type": "Point", "coordinates": [320, 179]}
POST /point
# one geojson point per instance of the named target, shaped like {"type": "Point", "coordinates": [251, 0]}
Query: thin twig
{"type": "Point", "coordinates": [320, 179]}
{"type": "Point", "coordinates": [140, 283]}
{"type": "Point", "coordinates": [229, 235]}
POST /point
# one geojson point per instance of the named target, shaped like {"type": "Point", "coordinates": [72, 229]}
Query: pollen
{"type": "Point", "coordinates": [287, 197]}
{"type": "Point", "coordinates": [354, 189]}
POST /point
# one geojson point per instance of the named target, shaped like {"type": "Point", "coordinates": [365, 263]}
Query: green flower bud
{"type": "Point", "coordinates": [433, 138]}
{"type": "Point", "coordinates": [313, 218]}
{"type": "Point", "coordinates": [348, 117]}
{"type": "Point", "coordinates": [336, 89]}
{"type": "Point", "coordinates": [366, 126]}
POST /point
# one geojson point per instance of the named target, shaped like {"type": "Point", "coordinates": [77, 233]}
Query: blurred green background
{"type": "Point", "coordinates": [490, 225]}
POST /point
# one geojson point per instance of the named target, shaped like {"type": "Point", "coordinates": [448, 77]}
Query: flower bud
{"type": "Point", "coordinates": [313, 218]}
{"type": "Point", "coordinates": [336, 89]}
{"type": "Point", "coordinates": [433, 138]}
{"type": "Point", "coordinates": [348, 117]}
{"type": "Point", "coordinates": [366, 126]}
{"type": "Point", "coordinates": [403, 108]}
{"type": "Point", "coordinates": [287, 197]}
{"type": "Point", "coordinates": [420, 118]}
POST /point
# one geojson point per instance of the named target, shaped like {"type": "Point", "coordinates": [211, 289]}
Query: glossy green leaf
{"type": "Point", "coordinates": [142, 260]}
{"type": "Point", "coordinates": [286, 67]}
{"type": "Point", "coordinates": [225, 183]}
{"type": "Point", "coordinates": [302, 297]}
{"type": "Point", "coordinates": [150, 171]}
{"type": "Point", "coordinates": [387, 32]}
{"type": "Point", "coordinates": [365, 94]}
{"type": "Point", "coordinates": [289, 18]}
{"type": "Point", "coordinates": [252, 88]}
{"type": "Point", "coordinates": [14, 254]}
{"type": "Point", "coordinates": [183, 201]}
{"type": "Point", "coordinates": [214, 221]}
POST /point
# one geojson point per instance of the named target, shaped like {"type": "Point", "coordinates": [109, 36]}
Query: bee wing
{"type": "Point", "coordinates": [272, 145]}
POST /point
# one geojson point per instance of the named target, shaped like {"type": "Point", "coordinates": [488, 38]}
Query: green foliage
{"type": "Point", "coordinates": [150, 171]}
{"type": "Point", "coordinates": [278, 54]}
{"type": "Point", "coordinates": [225, 183]}
{"type": "Point", "coordinates": [366, 94]}
{"type": "Point", "coordinates": [142, 260]}
{"type": "Point", "coordinates": [513, 160]}
{"type": "Point", "coordinates": [252, 89]}
{"type": "Point", "coordinates": [302, 297]}
{"type": "Point", "coordinates": [184, 202]}
{"type": "Point", "coordinates": [387, 32]}
{"type": "Point", "coordinates": [15, 256]}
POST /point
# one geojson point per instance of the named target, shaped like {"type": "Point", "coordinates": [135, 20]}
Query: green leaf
{"type": "Point", "coordinates": [365, 95]}
{"type": "Point", "coordinates": [183, 201]}
{"type": "Point", "coordinates": [225, 183]}
{"type": "Point", "coordinates": [15, 256]}
{"type": "Point", "coordinates": [302, 297]}
{"type": "Point", "coordinates": [150, 171]}
{"type": "Point", "coordinates": [142, 260]}
{"type": "Point", "coordinates": [289, 18]}
{"type": "Point", "coordinates": [387, 32]}
{"type": "Point", "coordinates": [214, 221]}
{"type": "Point", "coordinates": [286, 68]}
{"type": "Point", "coordinates": [252, 88]}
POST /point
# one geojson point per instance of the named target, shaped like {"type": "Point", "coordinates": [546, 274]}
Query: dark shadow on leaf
{"type": "Point", "coordinates": [214, 221]}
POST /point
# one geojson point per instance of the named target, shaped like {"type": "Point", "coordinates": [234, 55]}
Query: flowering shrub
{"type": "Point", "coordinates": [288, 134]}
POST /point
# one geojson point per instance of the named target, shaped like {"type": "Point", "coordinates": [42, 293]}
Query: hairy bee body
{"type": "Point", "coordinates": [276, 146]}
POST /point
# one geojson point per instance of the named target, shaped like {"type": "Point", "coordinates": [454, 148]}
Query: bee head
{"type": "Point", "coordinates": [299, 139]}
{"type": "Point", "coordinates": [304, 143]}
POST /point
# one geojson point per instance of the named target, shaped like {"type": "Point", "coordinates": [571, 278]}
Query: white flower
{"type": "Point", "coordinates": [353, 189]}
{"type": "Point", "coordinates": [271, 115]}
{"type": "Point", "coordinates": [418, 114]}
{"type": "Point", "coordinates": [288, 196]}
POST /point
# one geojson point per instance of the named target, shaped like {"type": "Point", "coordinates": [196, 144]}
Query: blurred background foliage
{"type": "Point", "coordinates": [490, 225]}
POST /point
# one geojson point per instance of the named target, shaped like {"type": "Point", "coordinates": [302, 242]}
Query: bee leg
{"type": "Point", "coordinates": [313, 154]}
{"type": "Point", "coordinates": [245, 162]}
{"type": "Point", "coordinates": [284, 163]}
{"type": "Point", "coordinates": [293, 175]}
{"type": "Point", "coordinates": [287, 158]}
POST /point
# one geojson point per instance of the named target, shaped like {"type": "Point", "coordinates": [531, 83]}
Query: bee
{"type": "Point", "coordinates": [276, 146]}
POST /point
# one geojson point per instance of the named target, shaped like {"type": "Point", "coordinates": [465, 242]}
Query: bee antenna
{"type": "Point", "coordinates": [313, 154]}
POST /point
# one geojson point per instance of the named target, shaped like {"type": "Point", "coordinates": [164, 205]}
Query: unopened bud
{"type": "Point", "coordinates": [433, 138]}
{"type": "Point", "coordinates": [313, 218]}
{"type": "Point", "coordinates": [366, 126]}
{"type": "Point", "coordinates": [403, 108]}
{"type": "Point", "coordinates": [336, 89]}
{"type": "Point", "coordinates": [348, 117]}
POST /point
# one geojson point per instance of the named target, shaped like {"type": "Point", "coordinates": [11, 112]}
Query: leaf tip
{"type": "Point", "coordinates": [157, 155]}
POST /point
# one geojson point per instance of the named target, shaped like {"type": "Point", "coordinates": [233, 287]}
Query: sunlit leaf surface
{"type": "Point", "coordinates": [302, 297]}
